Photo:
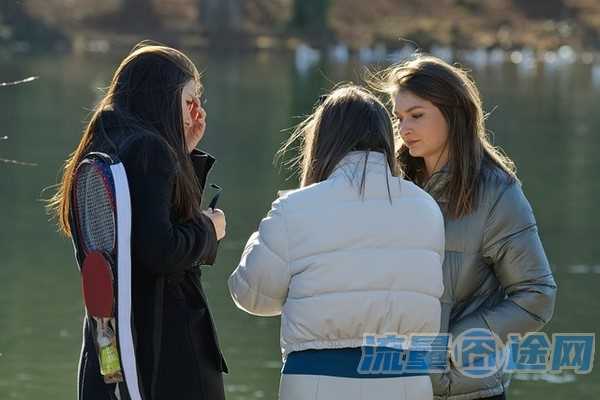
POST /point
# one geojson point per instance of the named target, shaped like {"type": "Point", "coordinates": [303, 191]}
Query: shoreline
{"type": "Point", "coordinates": [92, 42]}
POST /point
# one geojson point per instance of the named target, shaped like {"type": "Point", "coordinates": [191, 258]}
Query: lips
{"type": "Point", "coordinates": [410, 143]}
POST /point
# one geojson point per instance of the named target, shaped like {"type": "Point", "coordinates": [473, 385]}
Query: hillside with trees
{"type": "Point", "coordinates": [508, 24]}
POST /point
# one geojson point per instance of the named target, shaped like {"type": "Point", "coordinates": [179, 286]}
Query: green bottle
{"type": "Point", "coordinates": [109, 355]}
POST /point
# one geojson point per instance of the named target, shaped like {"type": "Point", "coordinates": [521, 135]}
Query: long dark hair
{"type": "Point", "coordinates": [350, 118]}
{"type": "Point", "coordinates": [145, 94]}
{"type": "Point", "coordinates": [455, 94]}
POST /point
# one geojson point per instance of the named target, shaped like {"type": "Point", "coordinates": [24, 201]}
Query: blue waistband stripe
{"type": "Point", "coordinates": [362, 362]}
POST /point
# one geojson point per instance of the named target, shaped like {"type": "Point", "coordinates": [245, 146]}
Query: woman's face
{"type": "Point", "coordinates": [421, 125]}
{"type": "Point", "coordinates": [194, 115]}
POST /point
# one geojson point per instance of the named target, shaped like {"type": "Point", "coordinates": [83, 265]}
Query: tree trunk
{"type": "Point", "coordinates": [219, 16]}
{"type": "Point", "coordinates": [138, 14]}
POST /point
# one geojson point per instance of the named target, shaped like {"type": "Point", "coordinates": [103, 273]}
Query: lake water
{"type": "Point", "coordinates": [547, 120]}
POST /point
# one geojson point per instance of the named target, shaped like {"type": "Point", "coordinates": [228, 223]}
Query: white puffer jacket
{"type": "Point", "coordinates": [338, 265]}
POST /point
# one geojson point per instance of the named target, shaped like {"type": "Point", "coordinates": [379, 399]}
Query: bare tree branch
{"type": "Point", "coordinates": [27, 80]}
{"type": "Point", "coordinates": [15, 162]}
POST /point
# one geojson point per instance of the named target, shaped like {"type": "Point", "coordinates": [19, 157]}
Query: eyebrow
{"type": "Point", "coordinates": [410, 109]}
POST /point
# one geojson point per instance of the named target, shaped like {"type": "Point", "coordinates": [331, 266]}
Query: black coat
{"type": "Point", "coordinates": [176, 343]}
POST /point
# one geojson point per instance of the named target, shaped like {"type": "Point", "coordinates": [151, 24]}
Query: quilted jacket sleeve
{"type": "Point", "coordinates": [259, 285]}
{"type": "Point", "coordinates": [512, 247]}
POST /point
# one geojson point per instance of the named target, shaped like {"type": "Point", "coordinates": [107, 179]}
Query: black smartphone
{"type": "Point", "coordinates": [215, 199]}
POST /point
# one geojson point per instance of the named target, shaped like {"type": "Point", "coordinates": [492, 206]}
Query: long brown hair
{"type": "Point", "coordinates": [350, 118]}
{"type": "Point", "coordinates": [144, 95]}
{"type": "Point", "coordinates": [454, 93]}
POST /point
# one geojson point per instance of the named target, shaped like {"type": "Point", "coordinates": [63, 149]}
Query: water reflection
{"type": "Point", "coordinates": [546, 119]}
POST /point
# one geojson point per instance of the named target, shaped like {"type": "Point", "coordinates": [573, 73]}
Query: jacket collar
{"type": "Point", "coordinates": [437, 183]}
{"type": "Point", "coordinates": [202, 163]}
{"type": "Point", "coordinates": [353, 164]}
{"type": "Point", "coordinates": [199, 154]}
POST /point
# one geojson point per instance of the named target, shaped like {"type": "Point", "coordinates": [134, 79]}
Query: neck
{"type": "Point", "coordinates": [435, 162]}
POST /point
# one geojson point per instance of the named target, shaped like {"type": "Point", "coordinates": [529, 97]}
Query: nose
{"type": "Point", "coordinates": [404, 128]}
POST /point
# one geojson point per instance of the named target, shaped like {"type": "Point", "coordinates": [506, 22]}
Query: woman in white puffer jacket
{"type": "Point", "coordinates": [351, 258]}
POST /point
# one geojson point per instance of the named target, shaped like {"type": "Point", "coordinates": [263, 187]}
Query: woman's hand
{"type": "Point", "coordinates": [195, 125]}
{"type": "Point", "coordinates": [218, 219]}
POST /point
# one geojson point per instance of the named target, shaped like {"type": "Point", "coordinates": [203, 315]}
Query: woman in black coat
{"type": "Point", "coordinates": [151, 119]}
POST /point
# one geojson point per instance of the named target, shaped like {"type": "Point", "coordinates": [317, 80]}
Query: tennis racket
{"type": "Point", "coordinates": [100, 193]}
{"type": "Point", "coordinates": [95, 215]}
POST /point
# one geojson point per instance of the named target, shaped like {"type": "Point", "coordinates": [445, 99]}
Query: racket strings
{"type": "Point", "coordinates": [95, 209]}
